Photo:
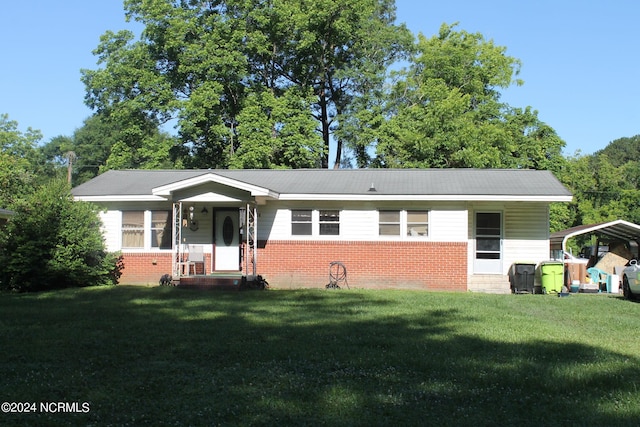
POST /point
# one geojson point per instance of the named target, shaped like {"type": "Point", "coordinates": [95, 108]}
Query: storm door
{"type": "Point", "coordinates": [488, 237]}
{"type": "Point", "coordinates": [227, 241]}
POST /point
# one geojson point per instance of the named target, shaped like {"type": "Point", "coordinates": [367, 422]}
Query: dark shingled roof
{"type": "Point", "coordinates": [451, 182]}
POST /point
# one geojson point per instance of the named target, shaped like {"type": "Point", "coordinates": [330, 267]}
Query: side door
{"type": "Point", "coordinates": [488, 243]}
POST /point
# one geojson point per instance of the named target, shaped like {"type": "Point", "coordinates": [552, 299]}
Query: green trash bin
{"type": "Point", "coordinates": [551, 276]}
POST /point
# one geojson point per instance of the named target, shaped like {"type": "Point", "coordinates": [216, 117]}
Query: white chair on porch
{"type": "Point", "coordinates": [194, 257]}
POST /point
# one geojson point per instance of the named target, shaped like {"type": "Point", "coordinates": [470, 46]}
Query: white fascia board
{"type": "Point", "coordinates": [166, 190]}
{"type": "Point", "coordinates": [465, 198]}
{"type": "Point", "coordinates": [137, 198]}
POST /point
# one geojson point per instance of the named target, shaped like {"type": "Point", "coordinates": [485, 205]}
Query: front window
{"type": "Point", "coordinates": [389, 223]}
{"type": "Point", "coordinates": [329, 223]}
{"type": "Point", "coordinates": [160, 231]}
{"type": "Point", "coordinates": [418, 223]}
{"type": "Point", "coordinates": [133, 229]}
{"type": "Point", "coordinates": [301, 222]}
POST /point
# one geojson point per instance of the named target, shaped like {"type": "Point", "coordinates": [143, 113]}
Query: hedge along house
{"type": "Point", "coordinates": [435, 229]}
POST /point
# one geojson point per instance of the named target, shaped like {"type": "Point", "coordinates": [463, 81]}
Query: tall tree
{"type": "Point", "coordinates": [445, 110]}
{"type": "Point", "coordinates": [273, 129]}
{"type": "Point", "coordinates": [340, 49]}
{"type": "Point", "coordinates": [202, 62]}
{"type": "Point", "coordinates": [20, 163]}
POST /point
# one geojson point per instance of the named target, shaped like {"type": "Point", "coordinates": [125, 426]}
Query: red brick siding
{"type": "Point", "coordinates": [423, 265]}
{"type": "Point", "coordinates": [147, 268]}
{"type": "Point", "coordinates": [295, 264]}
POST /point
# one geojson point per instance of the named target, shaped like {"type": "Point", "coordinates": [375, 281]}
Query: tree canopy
{"type": "Point", "coordinates": [272, 84]}
{"type": "Point", "coordinates": [20, 161]}
{"type": "Point", "coordinates": [103, 143]}
{"type": "Point", "coordinates": [202, 64]}
{"type": "Point", "coordinates": [445, 110]}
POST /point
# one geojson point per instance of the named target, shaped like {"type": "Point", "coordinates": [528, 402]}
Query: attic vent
{"type": "Point", "coordinates": [372, 188]}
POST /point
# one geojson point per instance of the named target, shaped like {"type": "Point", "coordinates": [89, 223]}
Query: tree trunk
{"type": "Point", "coordinates": [324, 119]}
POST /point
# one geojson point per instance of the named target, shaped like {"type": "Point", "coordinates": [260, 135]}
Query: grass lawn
{"type": "Point", "coordinates": [167, 356]}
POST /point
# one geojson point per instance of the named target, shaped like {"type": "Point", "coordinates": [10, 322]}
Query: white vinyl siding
{"type": "Point", "coordinates": [526, 233]}
{"type": "Point", "coordinates": [358, 224]}
{"type": "Point", "coordinates": [448, 225]}
{"type": "Point", "coordinates": [111, 226]}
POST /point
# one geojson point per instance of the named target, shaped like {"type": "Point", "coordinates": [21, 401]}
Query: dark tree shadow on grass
{"type": "Point", "coordinates": [171, 357]}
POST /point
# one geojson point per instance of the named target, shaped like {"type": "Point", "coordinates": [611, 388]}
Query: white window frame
{"type": "Point", "coordinates": [310, 222]}
{"type": "Point", "coordinates": [315, 223]}
{"type": "Point", "coordinates": [390, 223]}
{"type": "Point", "coordinates": [403, 233]}
{"type": "Point", "coordinates": [123, 229]}
{"type": "Point", "coordinates": [328, 223]}
{"type": "Point", "coordinates": [167, 227]}
{"type": "Point", "coordinates": [407, 224]}
{"type": "Point", "coordinates": [147, 227]}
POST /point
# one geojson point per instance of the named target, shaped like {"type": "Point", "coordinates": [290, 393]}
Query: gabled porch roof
{"type": "Point", "coordinates": [168, 189]}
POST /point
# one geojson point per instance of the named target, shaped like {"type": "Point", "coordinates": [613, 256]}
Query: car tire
{"type": "Point", "coordinates": [626, 291]}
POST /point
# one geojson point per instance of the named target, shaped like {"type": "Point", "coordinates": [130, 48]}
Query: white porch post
{"type": "Point", "coordinates": [251, 241]}
{"type": "Point", "coordinates": [176, 240]}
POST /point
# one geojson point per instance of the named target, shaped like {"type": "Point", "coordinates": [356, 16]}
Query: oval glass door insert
{"type": "Point", "coordinates": [227, 231]}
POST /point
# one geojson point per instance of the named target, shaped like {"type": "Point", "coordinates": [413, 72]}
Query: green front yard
{"type": "Point", "coordinates": [166, 356]}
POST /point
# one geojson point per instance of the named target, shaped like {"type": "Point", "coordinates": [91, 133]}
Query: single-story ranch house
{"type": "Point", "coordinates": [433, 229]}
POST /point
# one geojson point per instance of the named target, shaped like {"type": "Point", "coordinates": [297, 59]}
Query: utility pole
{"type": "Point", "coordinates": [71, 156]}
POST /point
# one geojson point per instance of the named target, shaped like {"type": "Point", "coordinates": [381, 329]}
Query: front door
{"type": "Point", "coordinates": [227, 241]}
{"type": "Point", "coordinates": [488, 250]}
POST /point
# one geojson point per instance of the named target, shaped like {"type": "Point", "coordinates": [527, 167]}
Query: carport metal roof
{"type": "Point", "coordinates": [618, 229]}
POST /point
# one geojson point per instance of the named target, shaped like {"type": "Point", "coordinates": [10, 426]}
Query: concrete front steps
{"type": "Point", "coordinates": [489, 283]}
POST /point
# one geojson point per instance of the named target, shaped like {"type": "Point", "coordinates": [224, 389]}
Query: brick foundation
{"type": "Point", "coordinates": [144, 268]}
{"type": "Point", "coordinates": [147, 268]}
{"type": "Point", "coordinates": [416, 265]}
{"type": "Point", "coordinates": [305, 264]}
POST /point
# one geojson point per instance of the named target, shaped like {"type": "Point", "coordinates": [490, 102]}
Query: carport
{"type": "Point", "coordinates": [619, 230]}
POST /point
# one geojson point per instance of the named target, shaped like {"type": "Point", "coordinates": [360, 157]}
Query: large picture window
{"type": "Point", "coordinates": [329, 223]}
{"type": "Point", "coordinates": [133, 229]}
{"type": "Point", "coordinates": [301, 224]}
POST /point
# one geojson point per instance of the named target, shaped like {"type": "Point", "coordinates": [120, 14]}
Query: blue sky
{"type": "Point", "coordinates": [580, 59]}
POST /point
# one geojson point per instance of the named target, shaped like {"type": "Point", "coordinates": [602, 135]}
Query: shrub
{"type": "Point", "coordinates": [55, 242]}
